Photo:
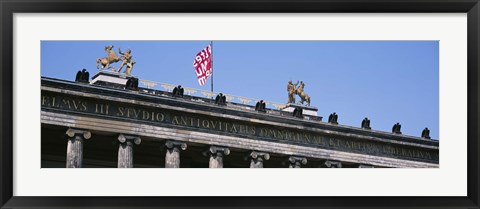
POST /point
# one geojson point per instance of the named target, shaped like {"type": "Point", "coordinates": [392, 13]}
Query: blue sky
{"type": "Point", "coordinates": [386, 81]}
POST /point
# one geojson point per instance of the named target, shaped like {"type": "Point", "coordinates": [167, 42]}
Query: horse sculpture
{"type": "Point", "coordinates": [112, 57]}
{"type": "Point", "coordinates": [304, 96]}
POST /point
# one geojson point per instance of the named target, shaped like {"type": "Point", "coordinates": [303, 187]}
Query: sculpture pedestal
{"type": "Point", "coordinates": [110, 79]}
{"type": "Point", "coordinates": [307, 110]}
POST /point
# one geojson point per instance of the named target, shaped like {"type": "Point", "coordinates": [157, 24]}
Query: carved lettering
{"type": "Point", "coordinates": [136, 113]}
{"type": "Point", "coordinates": [214, 124]}
{"type": "Point", "coordinates": [54, 103]}
{"type": "Point", "coordinates": [183, 120]}
{"type": "Point", "coordinates": [120, 111]}
{"type": "Point", "coordinates": [245, 128]}
{"type": "Point", "coordinates": [76, 104]}
{"type": "Point", "coordinates": [145, 115]}
{"type": "Point", "coordinates": [271, 133]}
{"type": "Point", "coordinates": [97, 109]}
{"type": "Point", "coordinates": [160, 117]}
{"type": "Point", "coordinates": [252, 130]}
{"type": "Point", "coordinates": [45, 101]}
{"type": "Point", "coordinates": [348, 144]}
{"type": "Point", "coordinates": [84, 107]}
{"type": "Point", "coordinates": [428, 155]}
{"type": "Point", "coordinates": [205, 124]}
{"type": "Point", "coordinates": [241, 129]}
{"type": "Point", "coordinates": [66, 103]}
{"type": "Point", "coordinates": [331, 142]}
{"type": "Point", "coordinates": [175, 120]}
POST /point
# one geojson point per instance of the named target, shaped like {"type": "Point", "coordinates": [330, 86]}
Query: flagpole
{"type": "Point", "coordinates": [211, 80]}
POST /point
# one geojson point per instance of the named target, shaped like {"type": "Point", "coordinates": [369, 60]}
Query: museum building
{"type": "Point", "coordinates": [108, 121]}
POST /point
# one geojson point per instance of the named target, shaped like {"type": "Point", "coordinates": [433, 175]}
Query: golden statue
{"type": "Point", "coordinates": [304, 96]}
{"type": "Point", "coordinates": [111, 58]}
{"type": "Point", "coordinates": [291, 91]}
{"type": "Point", "coordinates": [127, 60]}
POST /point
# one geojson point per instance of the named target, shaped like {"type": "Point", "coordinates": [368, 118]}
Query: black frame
{"type": "Point", "coordinates": [9, 7]}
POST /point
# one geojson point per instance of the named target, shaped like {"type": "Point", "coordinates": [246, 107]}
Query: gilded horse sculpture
{"type": "Point", "coordinates": [304, 96]}
{"type": "Point", "coordinates": [112, 57]}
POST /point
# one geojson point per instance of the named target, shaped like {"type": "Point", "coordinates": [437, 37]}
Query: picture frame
{"type": "Point", "coordinates": [8, 8]}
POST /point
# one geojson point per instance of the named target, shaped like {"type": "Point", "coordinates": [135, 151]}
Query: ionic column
{"type": "Point", "coordinates": [125, 150]}
{"type": "Point", "coordinates": [172, 158]}
{"type": "Point", "coordinates": [296, 162]}
{"type": "Point", "coordinates": [332, 164]}
{"type": "Point", "coordinates": [257, 158]}
{"type": "Point", "coordinates": [216, 156]}
{"type": "Point", "coordinates": [75, 147]}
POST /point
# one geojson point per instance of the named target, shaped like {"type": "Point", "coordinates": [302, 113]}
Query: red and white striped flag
{"type": "Point", "coordinates": [203, 65]}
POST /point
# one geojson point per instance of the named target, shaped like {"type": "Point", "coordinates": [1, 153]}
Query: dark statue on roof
{"type": "Point", "coordinates": [260, 106]}
{"type": "Point", "coordinates": [426, 133]}
{"type": "Point", "coordinates": [132, 84]}
{"type": "Point", "coordinates": [178, 91]}
{"type": "Point", "coordinates": [221, 99]}
{"type": "Point", "coordinates": [366, 123]}
{"type": "Point", "coordinates": [333, 118]}
{"type": "Point", "coordinates": [396, 128]}
{"type": "Point", "coordinates": [82, 76]}
{"type": "Point", "coordinates": [298, 112]}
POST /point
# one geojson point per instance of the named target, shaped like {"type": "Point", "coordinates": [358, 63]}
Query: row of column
{"type": "Point", "coordinates": [172, 156]}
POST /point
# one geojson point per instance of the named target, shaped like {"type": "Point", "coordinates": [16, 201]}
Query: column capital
{"type": "Point", "coordinates": [215, 150]}
{"type": "Point", "coordinates": [296, 161]}
{"type": "Point", "coordinates": [71, 132]}
{"type": "Point", "coordinates": [216, 156]}
{"type": "Point", "coordinates": [172, 156]}
{"type": "Point", "coordinates": [333, 164]}
{"type": "Point", "coordinates": [124, 138]}
{"type": "Point", "coordinates": [175, 144]}
{"type": "Point", "coordinates": [257, 158]}
{"type": "Point", "coordinates": [255, 155]}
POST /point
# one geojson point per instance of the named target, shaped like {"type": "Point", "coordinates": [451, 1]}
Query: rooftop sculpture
{"type": "Point", "coordinates": [82, 76]}
{"type": "Point", "coordinates": [366, 123]}
{"type": "Point", "coordinates": [127, 60]}
{"type": "Point", "coordinates": [291, 88]}
{"type": "Point", "coordinates": [396, 128]}
{"type": "Point", "coordinates": [112, 57]}
{"type": "Point", "coordinates": [333, 118]}
{"type": "Point", "coordinates": [304, 96]}
{"type": "Point", "coordinates": [426, 133]}
{"type": "Point", "coordinates": [298, 90]}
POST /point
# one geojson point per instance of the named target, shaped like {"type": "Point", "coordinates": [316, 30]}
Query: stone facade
{"type": "Point", "coordinates": [216, 135]}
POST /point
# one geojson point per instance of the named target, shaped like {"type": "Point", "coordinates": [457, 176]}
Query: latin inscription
{"type": "Point", "coordinates": [237, 128]}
